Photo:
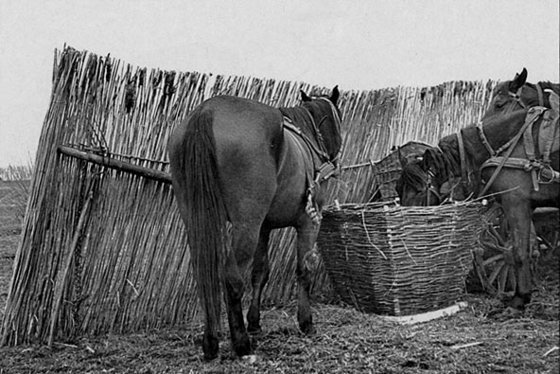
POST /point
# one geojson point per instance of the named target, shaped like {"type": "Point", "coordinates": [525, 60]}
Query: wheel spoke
{"type": "Point", "coordinates": [503, 280]}
{"type": "Point", "coordinates": [493, 259]}
{"type": "Point", "coordinates": [495, 273]}
{"type": "Point", "coordinates": [512, 279]}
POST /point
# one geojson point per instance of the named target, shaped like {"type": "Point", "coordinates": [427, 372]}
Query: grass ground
{"type": "Point", "coordinates": [478, 339]}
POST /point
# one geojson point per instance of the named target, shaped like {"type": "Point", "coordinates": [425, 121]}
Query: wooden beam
{"type": "Point", "coordinates": [112, 163]}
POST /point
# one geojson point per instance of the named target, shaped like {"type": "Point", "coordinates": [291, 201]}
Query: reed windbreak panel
{"type": "Point", "coordinates": [105, 250]}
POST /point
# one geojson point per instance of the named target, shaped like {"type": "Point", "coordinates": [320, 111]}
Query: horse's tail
{"type": "Point", "coordinates": [193, 161]}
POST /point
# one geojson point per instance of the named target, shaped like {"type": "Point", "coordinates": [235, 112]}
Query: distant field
{"type": "Point", "coordinates": [13, 199]}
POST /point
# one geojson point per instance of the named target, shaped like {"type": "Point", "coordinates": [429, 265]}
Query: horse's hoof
{"type": "Point", "coordinates": [254, 330]}
{"type": "Point", "coordinates": [504, 314]}
{"type": "Point", "coordinates": [511, 312]}
{"type": "Point", "coordinates": [520, 301]}
{"type": "Point", "coordinates": [210, 347]}
{"type": "Point", "coordinates": [242, 346]}
{"type": "Point", "coordinates": [307, 328]}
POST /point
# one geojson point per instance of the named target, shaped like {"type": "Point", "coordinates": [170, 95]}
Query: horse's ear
{"type": "Point", "coordinates": [304, 96]}
{"type": "Point", "coordinates": [335, 95]}
{"type": "Point", "coordinates": [402, 159]}
{"type": "Point", "coordinates": [519, 80]}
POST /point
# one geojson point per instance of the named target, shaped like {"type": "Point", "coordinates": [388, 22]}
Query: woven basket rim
{"type": "Point", "coordinates": [394, 205]}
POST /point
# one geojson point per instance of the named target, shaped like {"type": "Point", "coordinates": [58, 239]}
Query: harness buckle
{"type": "Point", "coordinates": [545, 174]}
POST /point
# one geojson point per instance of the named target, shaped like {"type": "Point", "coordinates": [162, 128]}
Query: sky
{"type": "Point", "coordinates": [357, 44]}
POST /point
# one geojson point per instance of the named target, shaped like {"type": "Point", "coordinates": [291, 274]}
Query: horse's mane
{"type": "Point", "coordinates": [445, 159]}
{"type": "Point", "coordinates": [412, 175]}
{"type": "Point", "coordinates": [302, 118]}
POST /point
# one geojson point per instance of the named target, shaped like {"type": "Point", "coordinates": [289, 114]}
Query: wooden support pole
{"type": "Point", "coordinates": [157, 175]}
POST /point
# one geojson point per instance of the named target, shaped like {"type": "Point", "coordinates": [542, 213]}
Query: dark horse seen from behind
{"type": "Point", "coordinates": [258, 168]}
{"type": "Point", "coordinates": [513, 155]}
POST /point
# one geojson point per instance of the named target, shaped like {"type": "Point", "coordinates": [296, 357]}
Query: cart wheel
{"type": "Point", "coordinates": [494, 263]}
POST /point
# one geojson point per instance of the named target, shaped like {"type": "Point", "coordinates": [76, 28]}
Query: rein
{"type": "Point", "coordinates": [430, 189]}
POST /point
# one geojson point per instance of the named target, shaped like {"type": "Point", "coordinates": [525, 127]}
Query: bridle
{"type": "Point", "coordinates": [329, 166]}
{"type": "Point", "coordinates": [517, 98]}
{"type": "Point", "coordinates": [338, 124]}
{"type": "Point", "coordinates": [431, 189]}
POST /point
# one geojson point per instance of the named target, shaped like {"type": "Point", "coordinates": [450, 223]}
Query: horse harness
{"type": "Point", "coordinates": [323, 167]}
{"type": "Point", "coordinates": [516, 96]}
{"type": "Point", "coordinates": [540, 168]}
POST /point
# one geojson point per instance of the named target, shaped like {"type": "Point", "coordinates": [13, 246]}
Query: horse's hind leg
{"type": "Point", "coordinates": [259, 277]}
{"type": "Point", "coordinates": [306, 236]}
{"type": "Point", "coordinates": [237, 261]}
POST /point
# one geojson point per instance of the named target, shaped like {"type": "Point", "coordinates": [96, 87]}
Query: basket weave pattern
{"type": "Point", "coordinates": [389, 169]}
{"type": "Point", "coordinates": [399, 260]}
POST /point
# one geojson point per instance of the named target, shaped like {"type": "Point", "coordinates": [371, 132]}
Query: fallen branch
{"type": "Point", "coordinates": [551, 350]}
{"type": "Point", "coordinates": [428, 316]}
{"type": "Point", "coordinates": [467, 345]}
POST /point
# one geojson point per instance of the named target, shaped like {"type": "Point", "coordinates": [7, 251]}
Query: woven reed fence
{"type": "Point", "coordinates": [105, 250]}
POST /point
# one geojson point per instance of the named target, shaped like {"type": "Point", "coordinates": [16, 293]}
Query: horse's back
{"type": "Point", "coordinates": [238, 125]}
{"type": "Point", "coordinates": [239, 122]}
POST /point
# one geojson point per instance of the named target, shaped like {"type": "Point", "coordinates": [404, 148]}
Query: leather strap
{"type": "Point", "coordinates": [546, 173]}
{"type": "Point", "coordinates": [289, 125]}
{"type": "Point", "coordinates": [550, 129]}
{"type": "Point", "coordinates": [532, 116]}
{"type": "Point", "coordinates": [464, 173]}
{"type": "Point", "coordinates": [540, 94]}
{"type": "Point", "coordinates": [485, 141]}
{"type": "Point", "coordinates": [529, 144]}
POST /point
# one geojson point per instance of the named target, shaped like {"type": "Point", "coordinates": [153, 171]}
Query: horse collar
{"type": "Point", "coordinates": [525, 131]}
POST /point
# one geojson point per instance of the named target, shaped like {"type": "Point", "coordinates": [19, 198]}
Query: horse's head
{"type": "Point", "coordinates": [431, 179]}
{"type": "Point", "coordinates": [327, 116]}
{"type": "Point", "coordinates": [518, 94]}
{"type": "Point", "coordinates": [509, 96]}
{"type": "Point", "coordinates": [415, 185]}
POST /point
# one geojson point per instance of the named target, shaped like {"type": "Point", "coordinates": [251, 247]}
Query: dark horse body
{"type": "Point", "coordinates": [235, 160]}
{"type": "Point", "coordinates": [421, 182]}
